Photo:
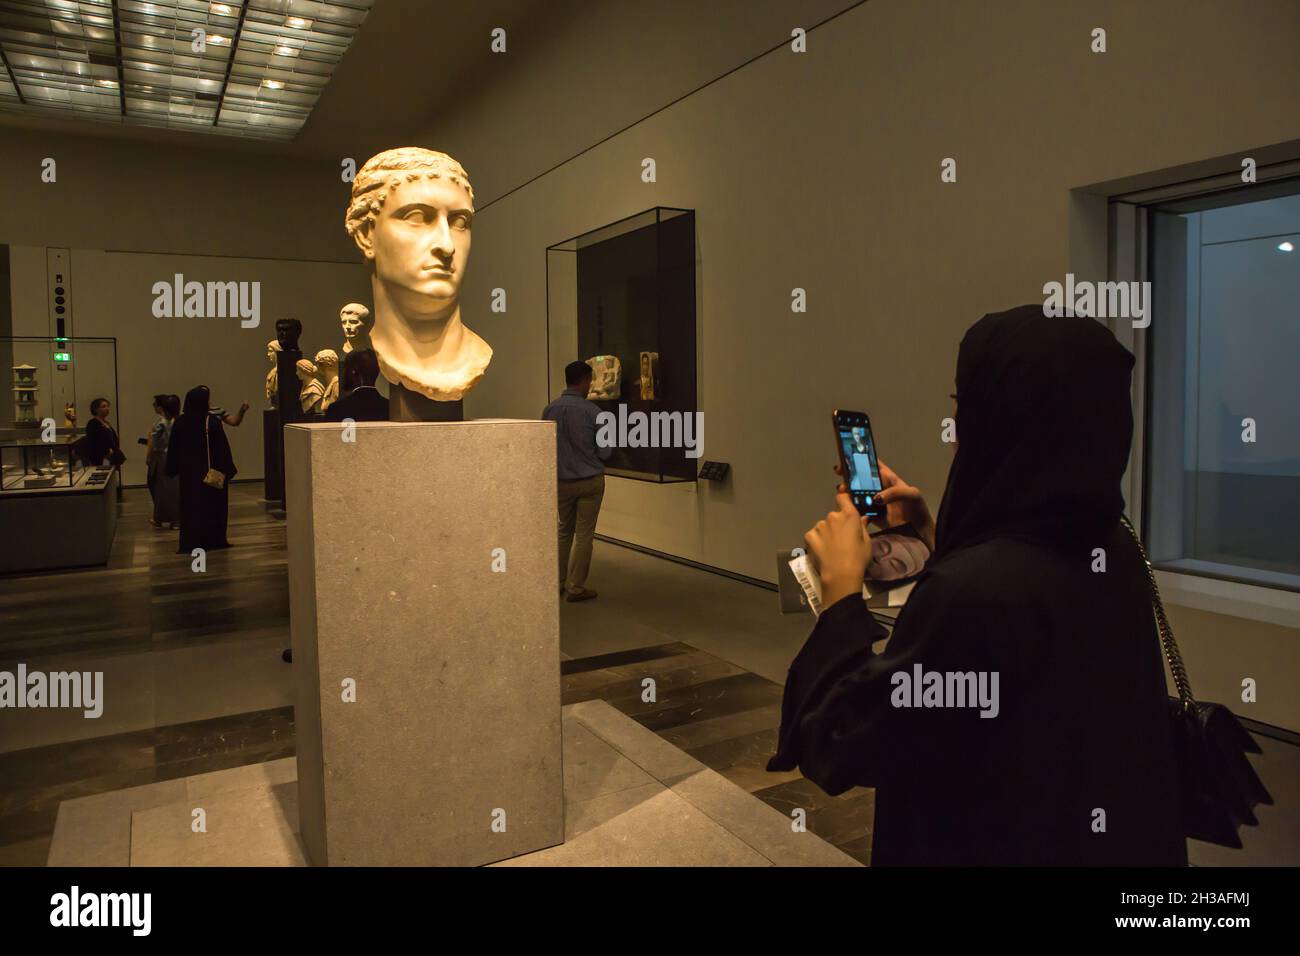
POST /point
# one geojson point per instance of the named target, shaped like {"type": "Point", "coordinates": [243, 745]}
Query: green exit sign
{"type": "Point", "coordinates": [63, 356]}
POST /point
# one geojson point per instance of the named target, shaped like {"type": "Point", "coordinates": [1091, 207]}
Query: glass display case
{"type": "Point", "coordinates": [34, 464]}
{"type": "Point", "coordinates": [623, 299]}
{"type": "Point", "coordinates": [52, 379]}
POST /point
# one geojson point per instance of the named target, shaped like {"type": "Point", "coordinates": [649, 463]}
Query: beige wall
{"type": "Point", "coordinates": [821, 171]}
{"type": "Point", "coordinates": [114, 298]}
{"type": "Point", "coordinates": [134, 214]}
{"type": "Point", "coordinates": [205, 200]}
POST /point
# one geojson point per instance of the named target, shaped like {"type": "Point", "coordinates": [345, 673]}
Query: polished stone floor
{"type": "Point", "coordinates": [630, 799]}
{"type": "Point", "coordinates": [195, 682]}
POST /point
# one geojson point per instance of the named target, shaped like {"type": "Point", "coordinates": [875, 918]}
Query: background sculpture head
{"type": "Point", "coordinates": [355, 319]}
{"type": "Point", "coordinates": [306, 370]}
{"type": "Point", "coordinates": [272, 347]}
{"type": "Point", "coordinates": [287, 332]}
{"type": "Point", "coordinates": [410, 215]}
{"type": "Point", "coordinates": [327, 360]}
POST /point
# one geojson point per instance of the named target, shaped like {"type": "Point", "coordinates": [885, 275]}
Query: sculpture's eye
{"type": "Point", "coordinates": [460, 221]}
{"type": "Point", "coordinates": [417, 217]}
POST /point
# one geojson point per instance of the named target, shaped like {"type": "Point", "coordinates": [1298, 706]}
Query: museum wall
{"type": "Point", "coordinates": [158, 197]}
{"type": "Point", "coordinates": [172, 355]}
{"type": "Point", "coordinates": [821, 171]}
{"type": "Point", "coordinates": [135, 213]}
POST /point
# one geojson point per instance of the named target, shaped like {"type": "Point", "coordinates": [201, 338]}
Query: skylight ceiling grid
{"type": "Point", "coordinates": [260, 69]}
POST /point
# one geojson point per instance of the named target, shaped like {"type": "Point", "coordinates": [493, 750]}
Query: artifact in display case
{"type": "Point", "coordinates": [357, 323]}
{"type": "Point", "coordinates": [25, 389]}
{"type": "Point", "coordinates": [649, 380]}
{"type": "Point", "coordinates": [417, 265]}
{"type": "Point", "coordinates": [69, 415]}
{"type": "Point", "coordinates": [32, 464]}
{"type": "Point", "coordinates": [606, 377]}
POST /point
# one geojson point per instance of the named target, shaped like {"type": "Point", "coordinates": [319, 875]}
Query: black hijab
{"type": "Point", "coordinates": [1044, 424]}
{"type": "Point", "coordinates": [199, 438]}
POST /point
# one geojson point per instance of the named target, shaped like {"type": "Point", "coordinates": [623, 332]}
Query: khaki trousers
{"type": "Point", "coordinates": [579, 503]}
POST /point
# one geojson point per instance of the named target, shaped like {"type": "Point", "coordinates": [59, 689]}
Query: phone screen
{"type": "Point", "coordinates": [858, 460]}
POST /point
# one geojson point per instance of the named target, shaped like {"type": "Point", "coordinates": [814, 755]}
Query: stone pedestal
{"type": "Point", "coordinates": [286, 402]}
{"type": "Point", "coordinates": [422, 573]}
{"type": "Point", "coordinates": [272, 457]}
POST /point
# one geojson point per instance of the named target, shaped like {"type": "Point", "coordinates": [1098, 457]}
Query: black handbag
{"type": "Point", "coordinates": [1218, 787]}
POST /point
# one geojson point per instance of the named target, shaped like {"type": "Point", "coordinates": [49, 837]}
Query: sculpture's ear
{"type": "Point", "coordinates": [364, 240]}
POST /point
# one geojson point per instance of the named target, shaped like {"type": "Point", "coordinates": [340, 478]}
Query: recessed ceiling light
{"type": "Point", "coordinates": [151, 88]}
{"type": "Point", "coordinates": [1285, 247]}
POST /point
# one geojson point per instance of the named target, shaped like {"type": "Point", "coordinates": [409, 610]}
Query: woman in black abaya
{"type": "Point", "coordinates": [1073, 762]}
{"type": "Point", "coordinates": [198, 442]}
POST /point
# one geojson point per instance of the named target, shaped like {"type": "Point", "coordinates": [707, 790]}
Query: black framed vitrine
{"type": "Point", "coordinates": [622, 297]}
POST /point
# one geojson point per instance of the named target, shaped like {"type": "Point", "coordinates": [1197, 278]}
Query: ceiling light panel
{"type": "Point", "coordinates": [258, 72]}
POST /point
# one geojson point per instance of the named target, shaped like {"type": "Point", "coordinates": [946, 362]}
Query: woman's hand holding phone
{"type": "Point", "coordinates": [904, 504]}
{"type": "Point", "coordinates": [840, 546]}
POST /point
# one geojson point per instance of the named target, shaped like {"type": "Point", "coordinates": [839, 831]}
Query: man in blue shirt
{"type": "Point", "coordinates": [580, 477]}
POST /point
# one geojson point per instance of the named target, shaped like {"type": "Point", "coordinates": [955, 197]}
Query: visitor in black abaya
{"type": "Point", "coordinates": [1077, 766]}
{"type": "Point", "coordinates": [190, 453]}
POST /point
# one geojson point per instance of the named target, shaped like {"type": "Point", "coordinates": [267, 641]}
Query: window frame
{"type": "Point", "coordinates": [1129, 259]}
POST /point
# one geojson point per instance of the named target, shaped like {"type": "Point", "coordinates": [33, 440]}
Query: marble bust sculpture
{"type": "Point", "coordinates": [411, 213]}
{"type": "Point", "coordinates": [272, 379]}
{"type": "Point", "coordinates": [357, 323]}
{"type": "Point", "coordinates": [313, 389]}
{"type": "Point", "coordinates": [327, 372]}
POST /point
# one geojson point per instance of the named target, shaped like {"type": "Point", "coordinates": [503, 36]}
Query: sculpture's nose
{"type": "Point", "coordinates": [441, 244]}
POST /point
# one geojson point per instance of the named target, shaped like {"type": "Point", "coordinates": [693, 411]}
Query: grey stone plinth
{"type": "Point", "coordinates": [422, 567]}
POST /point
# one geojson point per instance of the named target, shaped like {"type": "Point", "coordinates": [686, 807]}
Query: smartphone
{"type": "Point", "coordinates": [858, 461]}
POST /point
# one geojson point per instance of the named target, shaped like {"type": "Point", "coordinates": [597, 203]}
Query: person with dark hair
{"type": "Point", "coordinates": [197, 448]}
{"type": "Point", "coordinates": [361, 401]}
{"type": "Point", "coordinates": [1021, 693]}
{"type": "Point", "coordinates": [580, 484]}
{"type": "Point", "coordinates": [101, 442]}
{"type": "Point", "coordinates": [165, 488]}
{"type": "Point", "coordinates": [152, 458]}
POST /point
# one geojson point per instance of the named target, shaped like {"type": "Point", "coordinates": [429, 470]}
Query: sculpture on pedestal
{"type": "Point", "coordinates": [606, 376]}
{"type": "Point", "coordinates": [272, 384]}
{"type": "Point", "coordinates": [357, 323]}
{"type": "Point", "coordinates": [313, 389]}
{"type": "Point", "coordinates": [410, 214]}
{"type": "Point", "coordinates": [327, 373]}
{"type": "Point", "coordinates": [287, 332]}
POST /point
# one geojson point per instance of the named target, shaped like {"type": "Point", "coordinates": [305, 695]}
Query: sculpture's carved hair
{"type": "Point", "coordinates": [305, 365]}
{"type": "Point", "coordinates": [362, 312]}
{"type": "Point", "coordinates": [326, 358]}
{"type": "Point", "coordinates": [385, 171]}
